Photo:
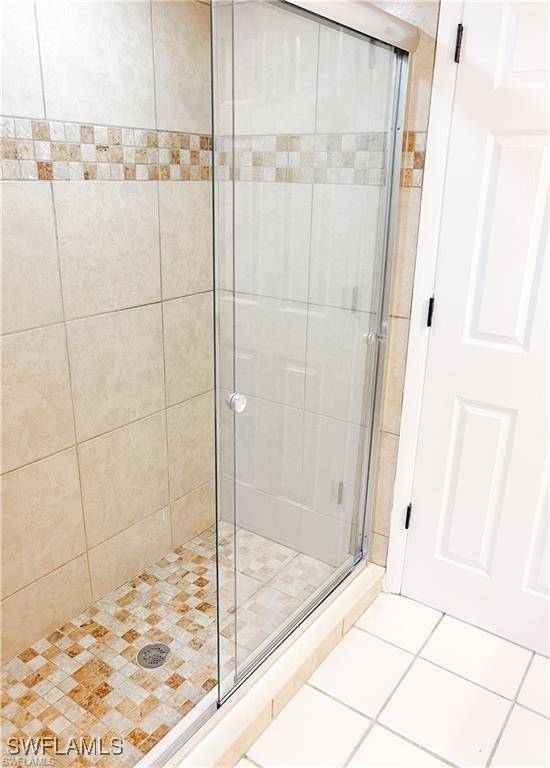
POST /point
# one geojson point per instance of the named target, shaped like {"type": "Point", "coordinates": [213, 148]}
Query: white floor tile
{"type": "Point", "coordinates": [447, 715]}
{"type": "Point", "coordinates": [244, 763]}
{"type": "Point", "coordinates": [525, 742]}
{"type": "Point", "coordinates": [535, 691]}
{"type": "Point", "coordinates": [382, 748]}
{"type": "Point", "coordinates": [312, 730]}
{"type": "Point", "coordinates": [483, 658]}
{"type": "Point", "coordinates": [361, 671]}
{"type": "Point", "coordinates": [399, 620]}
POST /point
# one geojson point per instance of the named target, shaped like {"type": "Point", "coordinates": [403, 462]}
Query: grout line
{"type": "Point", "coordinates": [509, 714]}
{"type": "Point", "coordinates": [94, 546]}
{"type": "Point", "coordinates": [127, 528]}
{"type": "Point", "coordinates": [439, 666]}
{"type": "Point", "coordinates": [153, 63]}
{"type": "Point", "coordinates": [71, 387]}
{"type": "Point", "coordinates": [376, 719]}
{"type": "Point", "coordinates": [253, 762]}
{"type": "Point", "coordinates": [339, 701]}
{"type": "Point", "coordinates": [418, 746]}
{"type": "Point", "coordinates": [107, 432]}
{"type": "Point", "coordinates": [155, 303]}
{"type": "Point", "coordinates": [36, 461]}
{"type": "Point", "coordinates": [107, 311]}
{"type": "Point", "coordinates": [40, 65]}
{"type": "Point", "coordinates": [306, 304]}
{"type": "Point", "coordinates": [481, 629]}
{"type": "Point", "coordinates": [122, 530]}
{"type": "Point", "coordinates": [394, 689]}
{"type": "Point", "coordinates": [533, 711]}
{"type": "Point", "coordinates": [183, 496]}
{"type": "Point", "coordinates": [102, 125]}
{"type": "Point", "coordinates": [164, 376]}
{"type": "Point", "coordinates": [43, 576]}
{"type": "Point", "coordinates": [301, 410]}
{"type": "Point", "coordinates": [308, 297]}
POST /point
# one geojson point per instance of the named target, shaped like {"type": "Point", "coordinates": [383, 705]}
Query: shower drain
{"type": "Point", "coordinates": [153, 655]}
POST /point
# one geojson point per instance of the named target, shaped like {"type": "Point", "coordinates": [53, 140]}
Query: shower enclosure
{"type": "Point", "coordinates": [137, 591]}
{"type": "Point", "coordinates": [307, 140]}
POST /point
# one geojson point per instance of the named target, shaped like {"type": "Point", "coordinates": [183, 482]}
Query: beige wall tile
{"type": "Point", "coordinates": [181, 36]}
{"type": "Point", "coordinates": [124, 477]}
{"type": "Point", "coordinates": [420, 84]}
{"type": "Point", "coordinates": [279, 90]}
{"type": "Point", "coordinates": [98, 73]}
{"type": "Point", "coordinates": [186, 237]}
{"type": "Point", "coordinates": [354, 84]}
{"type": "Point", "coordinates": [31, 292]}
{"type": "Point", "coordinates": [125, 555]}
{"type": "Point", "coordinates": [193, 513]}
{"type": "Point", "coordinates": [385, 478]}
{"type": "Point", "coordinates": [108, 245]}
{"type": "Point", "coordinates": [116, 368]}
{"type": "Point", "coordinates": [21, 92]}
{"type": "Point", "coordinates": [378, 549]}
{"type": "Point", "coordinates": [405, 251]}
{"type": "Point", "coordinates": [394, 376]}
{"type": "Point", "coordinates": [44, 605]}
{"type": "Point", "coordinates": [42, 525]}
{"type": "Point", "coordinates": [37, 412]}
{"type": "Point", "coordinates": [188, 345]}
{"type": "Point", "coordinates": [191, 444]}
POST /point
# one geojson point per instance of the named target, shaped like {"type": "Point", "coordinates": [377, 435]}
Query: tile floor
{"type": "Point", "coordinates": [408, 686]}
{"type": "Point", "coordinates": [83, 680]}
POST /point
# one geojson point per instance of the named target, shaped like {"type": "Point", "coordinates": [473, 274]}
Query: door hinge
{"type": "Point", "coordinates": [408, 516]}
{"type": "Point", "coordinates": [431, 305]}
{"type": "Point", "coordinates": [458, 46]}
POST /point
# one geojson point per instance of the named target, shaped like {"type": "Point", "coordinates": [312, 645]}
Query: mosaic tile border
{"type": "Point", "coordinates": [49, 150]}
{"type": "Point", "coordinates": [413, 159]}
{"type": "Point", "coordinates": [334, 158]}
{"type": "Point", "coordinates": [66, 151]}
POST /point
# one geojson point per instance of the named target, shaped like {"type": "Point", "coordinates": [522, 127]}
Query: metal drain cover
{"type": "Point", "coordinates": [153, 655]}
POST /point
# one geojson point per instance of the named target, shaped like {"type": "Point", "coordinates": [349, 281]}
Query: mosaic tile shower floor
{"type": "Point", "coordinates": [83, 679]}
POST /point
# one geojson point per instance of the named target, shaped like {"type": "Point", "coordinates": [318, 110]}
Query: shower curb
{"type": "Point", "coordinates": [229, 733]}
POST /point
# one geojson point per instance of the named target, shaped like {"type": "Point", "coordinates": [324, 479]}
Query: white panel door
{"type": "Point", "coordinates": [478, 544]}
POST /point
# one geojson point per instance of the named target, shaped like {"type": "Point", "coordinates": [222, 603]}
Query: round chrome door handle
{"type": "Point", "coordinates": [236, 402]}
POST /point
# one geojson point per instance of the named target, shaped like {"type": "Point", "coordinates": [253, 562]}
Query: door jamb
{"type": "Point", "coordinates": [442, 101]}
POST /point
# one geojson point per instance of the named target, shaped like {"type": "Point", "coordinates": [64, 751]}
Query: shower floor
{"type": "Point", "coordinates": [83, 680]}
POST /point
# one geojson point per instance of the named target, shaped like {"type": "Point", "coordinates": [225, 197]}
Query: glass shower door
{"type": "Point", "coordinates": [304, 138]}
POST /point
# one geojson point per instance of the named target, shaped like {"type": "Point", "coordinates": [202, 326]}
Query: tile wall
{"type": "Point", "coordinates": [425, 16]}
{"type": "Point", "coordinates": [106, 288]}
{"type": "Point", "coordinates": [106, 301]}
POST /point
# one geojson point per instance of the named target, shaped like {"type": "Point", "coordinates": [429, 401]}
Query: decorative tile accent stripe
{"type": "Point", "coordinates": [50, 150]}
{"type": "Point", "coordinates": [412, 163]}
{"type": "Point", "coordinates": [335, 158]}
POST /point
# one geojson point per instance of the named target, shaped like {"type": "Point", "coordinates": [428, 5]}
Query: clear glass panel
{"type": "Point", "coordinates": [304, 116]}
